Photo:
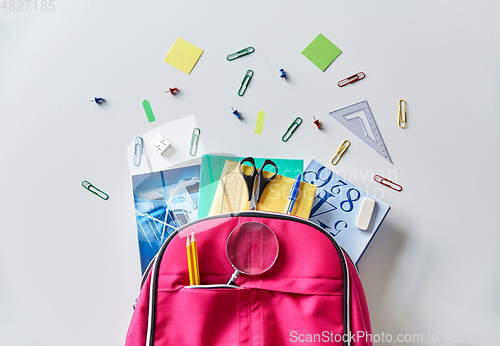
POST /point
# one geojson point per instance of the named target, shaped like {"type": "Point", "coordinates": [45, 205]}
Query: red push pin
{"type": "Point", "coordinates": [316, 122]}
{"type": "Point", "coordinates": [173, 91]}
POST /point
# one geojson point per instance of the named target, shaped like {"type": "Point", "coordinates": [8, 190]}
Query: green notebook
{"type": "Point", "coordinates": [211, 170]}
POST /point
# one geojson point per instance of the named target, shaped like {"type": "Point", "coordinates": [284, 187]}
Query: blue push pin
{"type": "Point", "coordinates": [97, 100]}
{"type": "Point", "coordinates": [283, 74]}
{"type": "Point", "coordinates": [235, 112]}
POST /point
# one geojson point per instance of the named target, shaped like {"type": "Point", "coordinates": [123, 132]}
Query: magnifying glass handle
{"type": "Point", "coordinates": [232, 281]}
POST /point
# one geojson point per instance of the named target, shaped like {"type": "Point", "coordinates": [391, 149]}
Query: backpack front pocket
{"type": "Point", "coordinates": [202, 316]}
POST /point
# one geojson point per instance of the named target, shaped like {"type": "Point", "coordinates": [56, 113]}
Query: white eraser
{"type": "Point", "coordinates": [365, 214]}
{"type": "Point", "coordinates": [160, 144]}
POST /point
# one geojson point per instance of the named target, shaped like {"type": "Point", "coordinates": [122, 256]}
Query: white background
{"type": "Point", "coordinates": [69, 265]}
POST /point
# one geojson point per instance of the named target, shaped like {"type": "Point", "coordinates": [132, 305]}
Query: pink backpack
{"type": "Point", "coordinates": [312, 294]}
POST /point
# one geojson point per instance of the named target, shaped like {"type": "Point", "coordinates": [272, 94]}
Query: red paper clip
{"type": "Point", "coordinates": [352, 79]}
{"type": "Point", "coordinates": [383, 181]}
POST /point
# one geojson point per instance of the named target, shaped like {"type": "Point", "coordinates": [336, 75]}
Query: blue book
{"type": "Point", "coordinates": [336, 208]}
{"type": "Point", "coordinates": [164, 201]}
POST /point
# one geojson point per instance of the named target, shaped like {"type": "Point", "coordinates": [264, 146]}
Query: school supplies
{"type": "Point", "coordinates": [358, 119]}
{"type": "Point", "coordinates": [183, 55]}
{"type": "Point", "coordinates": [256, 181]}
{"type": "Point", "coordinates": [244, 83]}
{"type": "Point", "coordinates": [259, 124]}
{"type": "Point", "coordinates": [316, 122]}
{"type": "Point", "coordinates": [365, 213]}
{"type": "Point", "coordinates": [240, 53]}
{"type": "Point", "coordinates": [97, 100]}
{"type": "Point", "coordinates": [87, 185]}
{"type": "Point", "coordinates": [336, 207]}
{"type": "Point", "coordinates": [235, 112]}
{"type": "Point", "coordinates": [312, 287]}
{"type": "Point", "coordinates": [172, 91]}
{"type": "Point", "coordinates": [282, 74]}
{"type": "Point", "coordinates": [196, 267]}
{"type": "Point", "coordinates": [293, 195]}
{"type": "Point", "coordinates": [160, 144]}
{"type": "Point", "coordinates": [252, 248]}
{"type": "Point", "coordinates": [402, 113]}
{"type": "Point", "coordinates": [212, 166]}
{"type": "Point", "coordinates": [291, 129]}
{"type": "Point", "coordinates": [195, 137]}
{"type": "Point", "coordinates": [148, 110]}
{"type": "Point", "coordinates": [321, 52]}
{"type": "Point", "coordinates": [138, 143]}
{"type": "Point", "coordinates": [232, 195]}
{"type": "Point", "coordinates": [338, 155]}
{"type": "Point", "coordinates": [189, 251]}
{"type": "Point", "coordinates": [388, 183]}
{"type": "Point", "coordinates": [351, 79]}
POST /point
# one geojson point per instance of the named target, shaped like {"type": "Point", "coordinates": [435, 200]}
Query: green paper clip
{"type": "Point", "coordinates": [194, 141]}
{"type": "Point", "coordinates": [94, 190]}
{"type": "Point", "coordinates": [240, 53]}
{"type": "Point", "coordinates": [291, 129]}
{"type": "Point", "coordinates": [245, 82]}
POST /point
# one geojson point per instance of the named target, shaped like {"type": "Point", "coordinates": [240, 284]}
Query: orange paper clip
{"type": "Point", "coordinates": [351, 79]}
{"type": "Point", "coordinates": [391, 184]}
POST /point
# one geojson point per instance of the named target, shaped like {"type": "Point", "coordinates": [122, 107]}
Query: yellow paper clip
{"type": "Point", "coordinates": [340, 152]}
{"type": "Point", "coordinates": [194, 141]}
{"type": "Point", "coordinates": [402, 113]}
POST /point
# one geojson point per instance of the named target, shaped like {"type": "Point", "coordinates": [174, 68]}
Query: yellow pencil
{"type": "Point", "coordinates": [190, 261]}
{"type": "Point", "coordinates": [196, 272]}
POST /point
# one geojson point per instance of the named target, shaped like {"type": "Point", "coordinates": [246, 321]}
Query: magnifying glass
{"type": "Point", "coordinates": [252, 248]}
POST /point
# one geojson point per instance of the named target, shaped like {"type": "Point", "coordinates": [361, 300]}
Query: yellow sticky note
{"type": "Point", "coordinates": [183, 55]}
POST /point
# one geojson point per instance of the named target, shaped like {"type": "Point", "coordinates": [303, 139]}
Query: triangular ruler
{"type": "Point", "coordinates": [358, 119]}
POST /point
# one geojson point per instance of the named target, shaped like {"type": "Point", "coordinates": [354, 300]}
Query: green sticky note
{"type": "Point", "coordinates": [148, 110]}
{"type": "Point", "coordinates": [260, 122]}
{"type": "Point", "coordinates": [321, 52]}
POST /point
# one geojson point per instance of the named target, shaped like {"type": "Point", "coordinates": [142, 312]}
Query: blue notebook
{"type": "Point", "coordinates": [164, 201]}
{"type": "Point", "coordinates": [336, 208]}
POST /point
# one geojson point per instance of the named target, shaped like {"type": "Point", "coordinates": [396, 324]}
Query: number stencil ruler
{"type": "Point", "coordinates": [358, 118]}
{"type": "Point", "coordinates": [233, 187]}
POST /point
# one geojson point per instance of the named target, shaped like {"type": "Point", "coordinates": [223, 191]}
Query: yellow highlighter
{"type": "Point", "coordinates": [196, 268]}
{"type": "Point", "coordinates": [190, 261]}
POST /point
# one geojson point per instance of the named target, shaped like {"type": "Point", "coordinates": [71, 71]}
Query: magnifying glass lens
{"type": "Point", "coordinates": [252, 248]}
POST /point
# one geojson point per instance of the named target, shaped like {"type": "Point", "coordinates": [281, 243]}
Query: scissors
{"type": "Point", "coordinates": [256, 178]}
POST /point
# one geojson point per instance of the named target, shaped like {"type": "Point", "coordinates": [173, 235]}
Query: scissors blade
{"type": "Point", "coordinates": [253, 200]}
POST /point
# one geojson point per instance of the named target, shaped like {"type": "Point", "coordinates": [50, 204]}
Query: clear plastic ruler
{"type": "Point", "coordinates": [358, 118]}
{"type": "Point", "coordinates": [233, 186]}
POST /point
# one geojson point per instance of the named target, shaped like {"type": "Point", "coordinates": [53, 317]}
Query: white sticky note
{"type": "Point", "coordinates": [365, 214]}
